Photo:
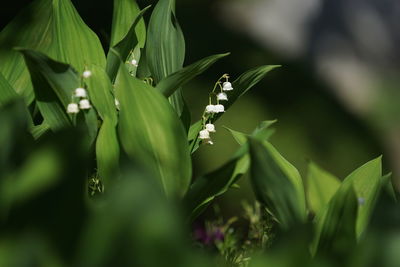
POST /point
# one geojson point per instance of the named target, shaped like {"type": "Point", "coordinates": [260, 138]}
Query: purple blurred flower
{"type": "Point", "coordinates": [207, 235]}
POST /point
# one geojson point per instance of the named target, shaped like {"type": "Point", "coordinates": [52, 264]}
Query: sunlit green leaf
{"type": "Point", "coordinates": [169, 84]}
{"type": "Point", "coordinates": [151, 132]}
{"type": "Point", "coordinates": [125, 12]}
{"type": "Point", "coordinates": [277, 184]}
{"type": "Point", "coordinates": [367, 182]}
{"type": "Point", "coordinates": [107, 152]}
{"type": "Point", "coordinates": [54, 84]}
{"type": "Point", "coordinates": [336, 224]}
{"type": "Point", "coordinates": [165, 48]}
{"type": "Point", "coordinates": [99, 88]}
{"type": "Point", "coordinates": [262, 132]}
{"type": "Point", "coordinates": [123, 48]}
{"type": "Point", "coordinates": [321, 186]}
{"type": "Point", "coordinates": [350, 208]}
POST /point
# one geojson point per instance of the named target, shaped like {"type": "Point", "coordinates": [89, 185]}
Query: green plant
{"type": "Point", "coordinates": [96, 159]}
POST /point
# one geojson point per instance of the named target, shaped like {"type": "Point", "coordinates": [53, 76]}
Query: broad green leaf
{"type": "Point", "coordinates": [99, 88]}
{"type": "Point", "coordinates": [7, 93]}
{"type": "Point", "coordinates": [151, 132]}
{"type": "Point", "coordinates": [277, 184]}
{"type": "Point", "coordinates": [207, 187]}
{"type": "Point", "coordinates": [169, 84]}
{"type": "Point", "coordinates": [107, 152]}
{"type": "Point", "coordinates": [336, 224]}
{"type": "Point", "coordinates": [367, 182]}
{"type": "Point", "coordinates": [165, 48]}
{"type": "Point", "coordinates": [124, 13]}
{"type": "Point", "coordinates": [262, 132]}
{"type": "Point", "coordinates": [211, 185]}
{"type": "Point", "coordinates": [122, 49]}
{"type": "Point", "coordinates": [53, 27]}
{"type": "Point", "coordinates": [54, 84]}
{"type": "Point", "coordinates": [241, 85]}
{"type": "Point", "coordinates": [321, 186]}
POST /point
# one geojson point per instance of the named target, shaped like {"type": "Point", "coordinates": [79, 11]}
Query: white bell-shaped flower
{"type": "Point", "coordinates": [204, 134]}
{"type": "Point", "coordinates": [219, 108]}
{"type": "Point", "coordinates": [87, 74]}
{"type": "Point", "coordinates": [134, 62]}
{"type": "Point", "coordinates": [84, 104]}
{"type": "Point", "coordinates": [227, 86]}
{"type": "Point", "coordinates": [80, 92]}
{"type": "Point", "coordinates": [72, 108]}
{"type": "Point", "coordinates": [210, 127]}
{"type": "Point", "coordinates": [222, 97]}
{"type": "Point", "coordinates": [210, 109]}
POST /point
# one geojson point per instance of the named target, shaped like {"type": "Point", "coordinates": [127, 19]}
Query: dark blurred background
{"type": "Point", "coordinates": [335, 97]}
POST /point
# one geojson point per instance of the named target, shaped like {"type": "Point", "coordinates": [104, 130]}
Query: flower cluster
{"type": "Point", "coordinates": [80, 97]}
{"type": "Point", "coordinates": [212, 109]}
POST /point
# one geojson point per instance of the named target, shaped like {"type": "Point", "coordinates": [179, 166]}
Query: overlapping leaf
{"type": "Point", "coordinates": [151, 132]}
{"type": "Point", "coordinates": [107, 147]}
{"type": "Point", "coordinates": [350, 207]}
{"type": "Point", "coordinates": [211, 185]}
{"type": "Point", "coordinates": [123, 48]}
{"type": "Point", "coordinates": [165, 48]}
{"type": "Point", "coordinates": [321, 186]}
{"type": "Point", "coordinates": [336, 224]}
{"type": "Point", "coordinates": [124, 13]}
{"type": "Point", "coordinates": [54, 83]}
{"type": "Point", "coordinates": [169, 84]}
{"type": "Point", "coordinates": [277, 184]}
